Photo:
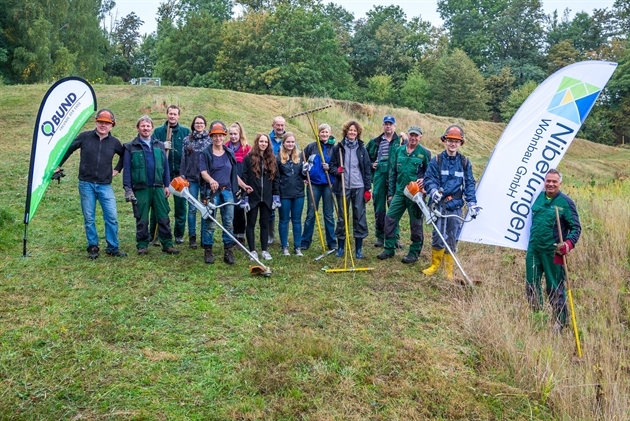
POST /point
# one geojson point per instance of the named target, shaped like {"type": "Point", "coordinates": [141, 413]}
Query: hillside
{"type": "Point", "coordinates": [166, 337]}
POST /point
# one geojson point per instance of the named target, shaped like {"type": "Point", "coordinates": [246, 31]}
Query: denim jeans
{"type": "Point", "coordinates": [291, 208]}
{"type": "Point", "coordinates": [192, 212]}
{"type": "Point", "coordinates": [320, 192]}
{"type": "Point", "coordinates": [227, 219]}
{"type": "Point", "coordinates": [90, 193]}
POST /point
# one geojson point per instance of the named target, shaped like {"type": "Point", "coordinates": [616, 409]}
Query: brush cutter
{"type": "Point", "coordinates": [569, 294]}
{"type": "Point", "coordinates": [431, 215]}
{"type": "Point", "coordinates": [179, 187]}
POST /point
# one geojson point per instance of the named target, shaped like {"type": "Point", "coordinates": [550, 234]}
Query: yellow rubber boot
{"type": "Point", "coordinates": [436, 259]}
{"type": "Point", "coordinates": [448, 266]}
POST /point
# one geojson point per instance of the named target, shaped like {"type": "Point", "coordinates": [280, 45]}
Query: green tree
{"type": "Point", "coordinates": [457, 88]}
{"type": "Point", "coordinates": [499, 87]}
{"type": "Point", "coordinates": [560, 55]}
{"type": "Point", "coordinates": [380, 89]}
{"type": "Point", "coordinates": [516, 99]}
{"type": "Point", "coordinates": [292, 50]}
{"type": "Point", "coordinates": [414, 92]}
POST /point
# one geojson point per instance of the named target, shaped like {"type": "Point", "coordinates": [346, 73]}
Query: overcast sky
{"type": "Point", "coordinates": [427, 9]}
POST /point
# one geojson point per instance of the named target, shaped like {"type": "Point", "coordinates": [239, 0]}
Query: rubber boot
{"type": "Point", "coordinates": [208, 257]}
{"type": "Point", "coordinates": [436, 259]}
{"type": "Point", "coordinates": [228, 254]}
{"type": "Point", "coordinates": [358, 245]}
{"type": "Point", "coordinates": [341, 245]}
{"type": "Point", "coordinates": [448, 266]}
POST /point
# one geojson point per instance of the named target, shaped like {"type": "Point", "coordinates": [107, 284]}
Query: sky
{"type": "Point", "coordinates": [427, 9]}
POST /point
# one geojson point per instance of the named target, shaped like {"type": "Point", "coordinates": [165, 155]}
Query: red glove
{"type": "Point", "coordinates": [339, 170]}
{"type": "Point", "coordinates": [564, 248]}
{"type": "Point", "coordinates": [367, 196]}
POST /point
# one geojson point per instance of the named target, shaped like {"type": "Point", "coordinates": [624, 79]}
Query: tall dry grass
{"type": "Point", "coordinates": [518, 346]}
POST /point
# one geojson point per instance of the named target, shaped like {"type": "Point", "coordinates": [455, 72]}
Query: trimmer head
{"type": "Point", "coordinates": [260, 270]}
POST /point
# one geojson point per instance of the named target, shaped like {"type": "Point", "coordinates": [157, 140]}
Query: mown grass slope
{"type": "Point", "coordinates": [166, 337]}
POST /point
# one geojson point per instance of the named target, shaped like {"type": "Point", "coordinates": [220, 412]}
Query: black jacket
{"type": "Point", "coordinates": [95, 165]}
{"type": "Point", "coordinates": [291, 179]}
{"type": "Point", "coordinates": [264, 187]}
{"type": "Point", "coordinates": [364, 165]}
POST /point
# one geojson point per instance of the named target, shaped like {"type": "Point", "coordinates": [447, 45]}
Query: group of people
{"type": "Point", "coordinates": [253, 182]}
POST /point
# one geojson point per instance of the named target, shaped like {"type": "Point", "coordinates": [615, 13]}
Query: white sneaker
{"type": "Point", "coordinates": [253, 253]}
{"type": "Point", "coordinates": [285, 251]}
{"type": "Point", "coordinates": [266, 255]}
{"type": "Point", "coordinates": [298, 252]}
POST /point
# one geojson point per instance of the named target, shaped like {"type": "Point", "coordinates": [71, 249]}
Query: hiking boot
{"type": "Point", "coordinates": [285, 251]}
{"type": "Point", "coordinates": [93, 252]}
{"type": "Point", "coordinates": [266, 255]}
{"type": "Point", "coordinates": [179, 240]}
{"type": "Point", "coordinates": [170, 250]}
{"type": "Point", "coordinates": [228, 254]}
{"type": "Point", "coordinates": [378, 243]}
{"type": "Point", "coordinates": [192, 242]}
{"type": "Point", "coordinates": [298, 252]}
{"type": "Point", "coordinates": [116, 253]}
{"type": "Point", "coordinates": [385, 255]}
{"type": "Point", "coordinates": [410, 258]}
{"type": "Point", "coordinates": [208, 257]}
{"type": "Point", "coordinates": [142, 251]}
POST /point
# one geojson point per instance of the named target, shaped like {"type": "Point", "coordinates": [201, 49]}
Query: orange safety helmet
{"type": "Point", "coordinates": [106, 116]}
{"type": "Point", "coordinates": [217, 127]}
{"type": "Point", "coordinates": [453, 132]}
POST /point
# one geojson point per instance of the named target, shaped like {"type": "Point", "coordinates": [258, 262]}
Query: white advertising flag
{"type": "Point", "coordinates": [67, 105]}
{"type": "Point", "coordinates": [534, 141]}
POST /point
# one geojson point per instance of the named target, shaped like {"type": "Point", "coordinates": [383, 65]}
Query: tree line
{"type": "Point", "coordinates": [480, 65]}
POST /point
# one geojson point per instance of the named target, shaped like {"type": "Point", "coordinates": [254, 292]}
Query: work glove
{"type": "Point", "coordinates": [340, 170]}
{"type": "Point", "coordinates": [276, 202]}
{"type": "Point", "coordinates": [564, 248]}
{"type": "Point", "coordinates": [167, 144]}
{"type": "Point", "coordinates": [58, 175]}
{"type": "Point", "coordinates": [306, 167]}
{"type": "Point", "coordinates": [311, 159]}
{"type": "Point", "coordinates": [245, 204]}
{"type": "Point", "coordinates": [367, 196]}
{"type": "Point", "coordinates": [474, 210]}
{"type": "Point", "coordinates": [325, 166]}
{"type": "Point", "coordinates": [129, 196]}
{"type": "Point", "coordinates": [436, 195]}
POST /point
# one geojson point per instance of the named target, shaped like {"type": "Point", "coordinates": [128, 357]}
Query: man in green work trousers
{"type": "Point", "coordinates": [379, 149]}
{"type": "Point", "coordinates": [545, 251]}
{"type": "Point", "coordinates": [408, 163]}
{"type": "Point", "coordinates": [173, 146]}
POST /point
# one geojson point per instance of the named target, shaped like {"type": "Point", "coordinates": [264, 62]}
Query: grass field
{"type": "Point", "coordinates": [170, 338]}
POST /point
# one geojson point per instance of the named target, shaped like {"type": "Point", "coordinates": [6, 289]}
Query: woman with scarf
{"type": "Point", "coordinates": [192, 146]}
{"type": "Point", "coordinates": [350, 159]}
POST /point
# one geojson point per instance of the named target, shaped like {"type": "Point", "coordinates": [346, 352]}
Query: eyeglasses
{"type": "Point", "coordinates": [454, 141]}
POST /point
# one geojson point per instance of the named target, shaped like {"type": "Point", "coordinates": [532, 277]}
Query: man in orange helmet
{"type": "Point", "coordinates": [450, 184]}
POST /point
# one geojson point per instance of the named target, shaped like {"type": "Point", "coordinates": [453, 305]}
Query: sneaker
{"type": "Point", "coordinates": [253, 253]}
{"type": "Point", "coordinates": [116, 253]}
{"type": "Point", "coordinates": [378, 243]}
{"type": "Point", "coordinates": [179, 240]}
{"type": "Point", "coordinates": [266, 255]}
{"type": "Point", "coordinates": [298, 252]}
{"type": "Point", "coordinates": [142, 251]}
{"type": "Point", "coordinates": [170, 250]}
{"type": "Point", "coordinates": [384, 255]}
{"type": "Point", "coordinates": [93, 252]}
{"type": "Point", "coordinates": [285, 251]}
